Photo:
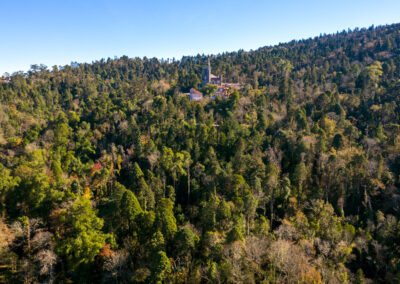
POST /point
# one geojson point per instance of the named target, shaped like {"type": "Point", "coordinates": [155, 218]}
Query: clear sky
{"type": "Point", "coordinates": [56, 32]}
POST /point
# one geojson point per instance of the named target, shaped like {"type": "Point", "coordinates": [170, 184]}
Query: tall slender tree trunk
{"type": "Point", "coordinates": [271, 206]}
{"type": "Point", "coordinates": [29, 237]}
{"type": "Point", "coordinates": [247, 225]}
{"type": "Point", "coordinates": [188, 173]}
{"type": "Point", "coordinates": [164, 184]}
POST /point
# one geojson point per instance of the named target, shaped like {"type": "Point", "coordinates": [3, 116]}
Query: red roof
{"type": "Point", "coordinates": [194, 91]}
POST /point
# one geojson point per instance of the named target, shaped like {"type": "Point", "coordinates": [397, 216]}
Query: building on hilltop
{"type": "Point", "coordinates": [208, 78]}
{"type": "Point", "coordinates": [236, 86]}
{"type": "Point", "coordinates": [5, 79]}
{"type": "Point", "coordinates": [195, 95]}
{"type": "Point", "coordinates": [223, 92]}
{"type": "Point", "coordinates": [224, 89]}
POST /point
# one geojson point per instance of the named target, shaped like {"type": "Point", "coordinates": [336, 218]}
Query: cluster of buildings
{"type": "Point", "coordinates": [5, 79]}
{"type": "Point", "coordinates": [223, 90]}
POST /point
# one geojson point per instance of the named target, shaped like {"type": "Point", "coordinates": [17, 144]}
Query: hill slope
{"type": "Point", "coordinates": [109, 173]}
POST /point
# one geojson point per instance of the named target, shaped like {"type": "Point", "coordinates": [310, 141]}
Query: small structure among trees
{"type": "Point", "coordinates": [210, 80]}
{"type": "Point", "coordinates": [195, 95]}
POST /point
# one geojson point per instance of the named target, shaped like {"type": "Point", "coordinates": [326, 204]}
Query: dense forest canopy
{"type": "Point", "coordinates": [109, 174]}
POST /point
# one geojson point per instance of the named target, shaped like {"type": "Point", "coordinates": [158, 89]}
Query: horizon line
{"type": "Point", "coordinates": [173, 59]}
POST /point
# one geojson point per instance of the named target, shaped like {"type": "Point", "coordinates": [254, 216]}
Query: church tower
{"type": "Point", "coordinates": [208, 77]}
{"type": "Point", "coordinates": [206, 74]}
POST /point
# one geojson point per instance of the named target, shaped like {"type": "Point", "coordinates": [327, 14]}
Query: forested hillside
{"type": "Point", "coordinates": [109, 174]}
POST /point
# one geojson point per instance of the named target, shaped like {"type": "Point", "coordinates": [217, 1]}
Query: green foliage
{"type": "Point", "coordinates": [165, 218]}
{"type": "Point", "coordinates": [185, 242]}
{"type": "Point", "coordinates": [209, 89]}
{"type": "Point", "coordinates": [129, 209]}
{"type": "Point", "coordinates": [223, 215]}
{"type": "Point", "coordinates": [292, 178]}
{"type": "Point", "coordinates": [160, 266]}
{"type": "Point", "coordinates": [34, 189]}
{"type": "Point", "coordinates": [209, 213]}
{"type": "Point", "coordinates": [234, 235]}
{"type": "Point", "coordinates": [157, 242]}
{"type": "Point", "coordinates": [7, 183]}
{"type": "Point", "coordinates": [262, 226]}
{"type": "Point", "coordinates": [82, 238]}
{"type": "Point", "coordinates": [337, 142]}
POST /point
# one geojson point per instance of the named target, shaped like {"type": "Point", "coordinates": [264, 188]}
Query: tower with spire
{"type": "Point", "coordinates": [208, 78]}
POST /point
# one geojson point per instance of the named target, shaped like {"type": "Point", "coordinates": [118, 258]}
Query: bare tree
{"type": "Point", "coordinates": [46, 260]}
{"type": "Point", "coordinates": [116, 266]}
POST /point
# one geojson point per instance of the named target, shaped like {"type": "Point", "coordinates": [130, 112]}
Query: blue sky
{"type": "Point", "coordinates": [58, 32]}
